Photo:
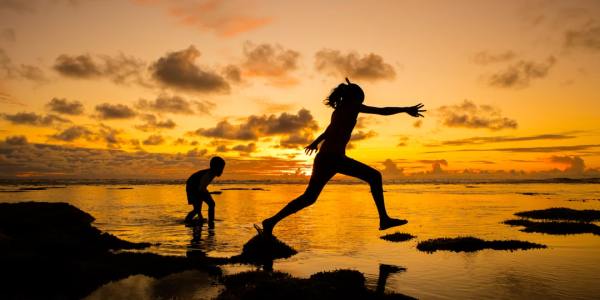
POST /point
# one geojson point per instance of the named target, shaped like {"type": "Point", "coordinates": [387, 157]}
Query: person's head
{"type": "Point", "coordinates": [217, 164]}
{"type": "Point", "coordinates": [345, 93]}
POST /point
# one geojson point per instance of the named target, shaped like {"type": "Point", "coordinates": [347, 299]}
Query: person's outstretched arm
{"type": "Point", "coordinates": [414, 111]}
{"type": "Point", "coordinates": [314, 146]}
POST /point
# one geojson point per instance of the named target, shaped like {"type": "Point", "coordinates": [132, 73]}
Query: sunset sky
{"type": "Point", "coordinates": [154, 88]}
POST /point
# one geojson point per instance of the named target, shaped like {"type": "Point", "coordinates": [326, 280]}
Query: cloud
{"type": "Point", "coordinates": [80, 66]}
{"type": "Point", "coordinates": [270, 61]}
{"type": "Point", "coordinates": [178, 70]}
{"type": "Point", "coordinates": [245, 149]}
{"type": "Point", "coordinates": [369, 67]}
{"type": "Point", "coordinates": [255, 127]}
{"type": "Point", "coordinates": [418, 124]}
{"type": "Point", "coordinates": [16, 140]}
{"type": "Point", "coordinates": [65, 161]}
{"type": "Point", "coordinates": [31, 6]}
{"type": "Point", "coordinates": [114, 111]}
{"type": "Point", "coordinates": [152, 123]}
{"type": "Point", "coordinates": [73, 133]}
{"type": "Point", "coordinates": [6, 98]}
{"type": "Point", "coordinates": [8, 34]}
{"type": "Point", "coordinates": [18, 6]}
{"type": "Point", "coordinates": [31, 118]}
{"type": "Point", "coordinates": [549, 149]}
{"type": "Point", "coordinates": [436, 165]}
{"type": "Point", "coordinates": [225, 18]}
{"type": "Point", "coordinates": [59, 161]}
{"type": "Point", "coordinates": [175, 105]}
{"type": "Point", "coordinates": [363, 135]}
{"type": "Point", "coordinates": [486, 58]}
{"type": "Point", "coordinates": [587, 37]}
{"type": "Point", "coordinates": [9, 70]}
{"type": "Point", "coordinates": [154, 140]}
{"type": "Point", "coordinates": [402, 141]}
{"type": "Point", "coordinates": [297, 140]}
{"type": "Point", "coordinates": [391, 169]}
{"type": "Point", "coordinates": [521, 73]}
{"type": "Point", "coordinates": [442, 162]}
{"type": "Point", "coordinates": [502, 139]}
{"type": "Point", "coordinates": [110, 136]}
{"type": "Point", "coordinates": [233, 73]}
{"type": "Point", "coordinates": [359, 136]}
{"type": "Point", "coordinates": [64, 106]}
{"type": "Point", "coordinates": [273, 107]}
{"type": "Point", "coordinates": [120, 69]}
{"type": "Point", "coordinates": [469, 115]}
{"type": "Point", "coordinates": [575, 165]}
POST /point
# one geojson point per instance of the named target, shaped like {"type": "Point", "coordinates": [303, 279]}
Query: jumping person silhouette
{"type": "Point", "coordinates": [347, 102]}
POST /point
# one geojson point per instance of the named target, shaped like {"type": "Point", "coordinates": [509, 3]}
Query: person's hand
{"type": "Point", "coordinates": [310, 149]}
{"type": "Point", "coordinates": [416, 110]}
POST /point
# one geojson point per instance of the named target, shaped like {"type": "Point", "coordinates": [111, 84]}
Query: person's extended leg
{"type": "Point", "coordinates": [211, 211]}
{"type": "Point", "coordinates": [196, 210]}
{"type": "Point", "coordinates": [361, 171]}
{"type": "Point", "coordinates": [322, 172]}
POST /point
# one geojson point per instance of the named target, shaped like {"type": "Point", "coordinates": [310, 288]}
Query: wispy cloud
{"type": "Point", "coordinates": [154, 140]}
{"type": "Point", "coordinates": [549, 149]}
{"type": "Point", "coordinates": [64, 106]}
{"type": "Point", "coordinates": [294, 128]}
{"type": "Point", "coordinates": [33, 119]}
{"type": "Point", "coordinates": [174, 104]}
{"type": "Point", "coordinates": [470, 115]}
{"type": "Point", "coordinates": [10, 70]}
{"type": "Point", "coordinates": [8, 35]}
{"type": "Point", "coordinates": [106, 111]}
{"type": "Point", "coordinates": [368, 67]}
{"type": "Point", "coordinates": [575, 165]}
{"type": "Point", "coordinates": [151, 123]}
{"type": "Point", "coordinates": [521, 73]}
{"type": "Point", "coordinates": [120, 69]}
{"type": "Point", "coordinates": [485, 57]}
{"type": "Point", "coordinates": [501, 139]}
{"type": "Point", "coordinates": [586, 37]}
{"type": "Point", "coordinates": [270, 61]}
{"type": "Point", "coordinates": [225, 18]}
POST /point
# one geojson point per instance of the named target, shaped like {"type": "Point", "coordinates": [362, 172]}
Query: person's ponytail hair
{"type": "Point", "coordinates": [337, 94]}
{"type": "Point", "coordinates": [342, 92]}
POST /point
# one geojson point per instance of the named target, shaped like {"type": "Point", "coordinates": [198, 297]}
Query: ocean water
{"type": "Point", "coordinates": [341, 231]}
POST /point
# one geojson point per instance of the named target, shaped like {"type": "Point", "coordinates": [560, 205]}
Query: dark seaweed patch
{"type": "Point", "coordinates": [554, 227]}
{"type": "Point", "coordinates": [472, 244]}
{"type": "Point", "coordinates": [397, 237]}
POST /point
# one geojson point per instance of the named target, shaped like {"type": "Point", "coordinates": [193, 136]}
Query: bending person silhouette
{"type": "Point", "coordinates": [197, 192]}
{"type": "Point", "coordinates": [347, 102]}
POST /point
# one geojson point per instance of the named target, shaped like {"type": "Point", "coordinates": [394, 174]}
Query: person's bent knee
{"type": "Point", "coordinates": [375, 179]}
{"type": "Point", "coordinates": [309, 198]}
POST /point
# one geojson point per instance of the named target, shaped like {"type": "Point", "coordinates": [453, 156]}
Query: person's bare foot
{"type": "Point", "coordinates": [390, 222]}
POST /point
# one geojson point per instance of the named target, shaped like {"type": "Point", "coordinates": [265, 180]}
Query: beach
{"type": "Point", "coordinates": [340, 232]}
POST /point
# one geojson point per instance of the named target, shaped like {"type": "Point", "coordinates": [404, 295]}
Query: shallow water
{"type": "Point", "coordinates": [340, 231]}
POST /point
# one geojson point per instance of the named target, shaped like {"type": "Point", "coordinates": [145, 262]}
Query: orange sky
{"type": "Point", "coordinates": [153, 88]}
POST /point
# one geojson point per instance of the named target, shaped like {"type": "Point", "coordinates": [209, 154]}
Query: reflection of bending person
{"type": "Point", "coordinates": [346, 99]}
{"type": "Point", "coordinates": [197, 192]}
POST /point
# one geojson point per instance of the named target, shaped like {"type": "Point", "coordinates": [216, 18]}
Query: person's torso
{"type": "Point", "coordinates": [195, 179]}
{"type": "Point", "coordinates": [343, 120]}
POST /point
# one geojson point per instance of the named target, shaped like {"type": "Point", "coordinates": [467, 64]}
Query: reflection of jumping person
{"type": "Point", "coordinates": [196, 190]}
{"type": "Point", "coordinates": [346, 100]}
